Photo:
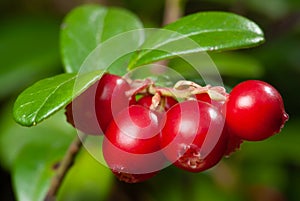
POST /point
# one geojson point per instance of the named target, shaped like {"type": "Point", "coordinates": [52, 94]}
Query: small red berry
{"type": "Point", "coordinates": [167, 101]}
{"type": "Point", "coordinates": [111, 98]}
{"type": "Point", "coordinates": [193, 136]}
{"type": "Point", "coordinates": [92, 110]}
{"type": "Point", "coordinates": [131, 144]}
{"type": "Point", "coordinates": [133, 178]}
{"type": "Point", "coordinates": [255, 111]}
{"type": "Point", "coordinates": [203, 97]}
{"type": "Point", "coordinates": [234, 142]}
{"type": "Point", "coordinates": [220, 105]}
{"type": "Point", "coordinates": [81, 113]}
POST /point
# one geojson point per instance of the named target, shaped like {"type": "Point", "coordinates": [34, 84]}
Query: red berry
{"type": "Point", "coordinates": [92, 110]}
{"type": "Point", "coordinates": [145, 101]}
{"type": "Point", "coordinates": [193, 136]}
{"type": "Point", "coordinates": [167, 101]}
{"type": "Point", "coordinates": [133, 178]}
{"type": "Point", "coordinates": [217, 103]}
{"type": "Point", "coordinates": [111, 98]}
{"type": "Point", "coordinates": [131, 144]}
{"type": "Point", "coordinates": [255, 111]}
{"type": "Point", "coordinates": [81, 112]}
{"type": "Point", "coordinates": [203, 97]}
{"type": "Point", "coordinates": [234, 142]}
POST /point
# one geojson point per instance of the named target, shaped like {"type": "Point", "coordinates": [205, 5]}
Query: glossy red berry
{"type": "Point", "coordinates": [255, 111]}
{"type": "Point", "coordinates": [81, 113]}
{"type": "Point", "coordinates": [111, 98]}
{"type": "Point", "coordinates": [166, 101]}
{"type": "Point", "coordinates": [221, 106]}
{"type": "Point", "coordinates": [203, 97]}
{"type": "Point", "coordinates": [193, 136]}
{"type": "Point", "coordinates": [131, 144]}
{"type": "Point", "coordinates": [234, 142]}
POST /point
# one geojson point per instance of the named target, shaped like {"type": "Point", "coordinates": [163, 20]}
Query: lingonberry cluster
{"type": "Point", "coordinates": [190, 126]}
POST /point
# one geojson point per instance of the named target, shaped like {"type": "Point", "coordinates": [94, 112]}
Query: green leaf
{"type": "Point", "coordinates": [87, 26]}
{"type": "Point", "coordinates": [49, 95]}
{"type": "Point", "coordinates": [205, 31]}
{"type": "Point", "coordinates": [31, 153]}
{"type": "Point", "coordinates": [29, 51]}
{"type": "Point", "coordinates": [33, 171]}
{"type": "Point", "coordinates": [13, 137]}
{"type": "Point", "coordinates": [87, 179]}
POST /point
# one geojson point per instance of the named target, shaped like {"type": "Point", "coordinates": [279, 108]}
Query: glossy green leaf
{"type": "Point", "coordinates": [31, 154]}
{"type": "Point", "coordinates": [205, 31]}
{"type": "Point", "coordinates": [49, 95]}
{"type": "Point", "coordinates": [14, 137]}
{"type": "Point", "coordinates": [88, 26]}
{"type": "Point", "coordinates": [33, 170]}
{"type": "Point", "coordinates": [29, 51]}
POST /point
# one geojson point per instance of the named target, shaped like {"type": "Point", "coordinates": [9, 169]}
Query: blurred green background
{"type": "Point", "coordinates": [261, 171]}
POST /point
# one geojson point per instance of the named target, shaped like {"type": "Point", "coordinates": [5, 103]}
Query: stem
{"type": "Point", "coordinates": [187, 89]}
{"type": "Point", "coordinates": [64, 167]}
{"type": "Point", "coordinates": [156, 99]}
{"type": "Point", "coordinates": [173, 11]}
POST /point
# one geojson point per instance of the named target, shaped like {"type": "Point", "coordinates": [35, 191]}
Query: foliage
{"type": "Point", "coordinates": [228, 31]}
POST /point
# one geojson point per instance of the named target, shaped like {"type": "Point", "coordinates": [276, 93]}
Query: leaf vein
{"type": "Point", "coordinates": [36, 113]}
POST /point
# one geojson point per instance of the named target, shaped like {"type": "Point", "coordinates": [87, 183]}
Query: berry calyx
{"type": "Point", "coordinates": [255, 111]}
{"type": "Point", "coordinates": [193, 136]}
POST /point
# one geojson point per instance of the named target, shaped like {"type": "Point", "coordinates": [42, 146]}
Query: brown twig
{"type": "Point", "coordinates": [173, 11]}
{"type": "Point", "coordinates": [64, 167]}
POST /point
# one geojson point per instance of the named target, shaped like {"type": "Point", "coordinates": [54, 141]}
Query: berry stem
{"type": "Point", "coordinates": [155, 101]}
{"type": "Point", "coordinates": [64, 167]}
{"type": "Point", "coordinates": [187, 89]}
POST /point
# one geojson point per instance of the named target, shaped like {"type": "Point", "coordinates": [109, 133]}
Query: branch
{"type": "Point", "coordinates": [64, 167]}
{"type": "Point", "coordinates": [173, 11]}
